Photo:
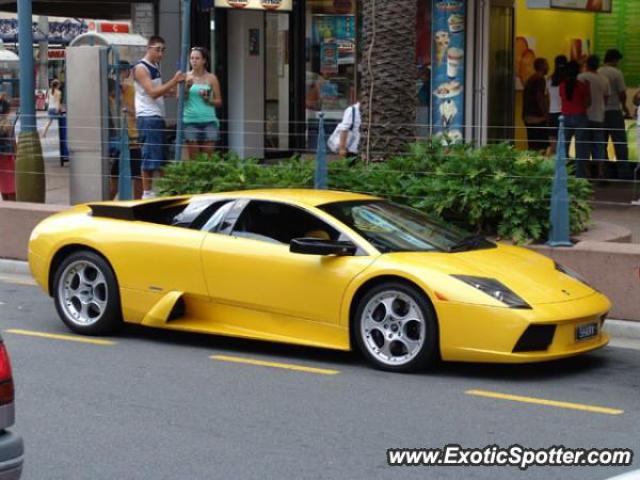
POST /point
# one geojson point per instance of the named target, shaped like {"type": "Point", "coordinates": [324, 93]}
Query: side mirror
{"type": "Point", "coordinates": [315, 246]}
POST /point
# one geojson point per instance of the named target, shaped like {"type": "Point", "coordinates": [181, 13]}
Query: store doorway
{"type": "Point", "coordinates": [258, 83]}
{"type": "Point", "coordinates": [501, 101]}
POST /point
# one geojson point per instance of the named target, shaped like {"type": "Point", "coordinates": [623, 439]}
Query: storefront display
{"type": "Point", "coordinates": [448, 69]}
{"type": "Point", "coordinates": [331, 62]}
{"type": "Point", "coordinates": [619, 30]}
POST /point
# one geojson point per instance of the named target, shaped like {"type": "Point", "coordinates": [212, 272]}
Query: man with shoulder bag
{"type": "Point", "coordinates": [345, 138]}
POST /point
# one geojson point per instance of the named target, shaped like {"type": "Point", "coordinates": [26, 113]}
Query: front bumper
{"type": "Point", "coordinates": [476, 333]}
{"type": "Point", "coordinates": [39, 269]}
{"type": "Point", "coordinates": [11, 455]}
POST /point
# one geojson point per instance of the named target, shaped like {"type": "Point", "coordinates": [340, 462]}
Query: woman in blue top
{"type": "Point", "coordinates": [202, 97]}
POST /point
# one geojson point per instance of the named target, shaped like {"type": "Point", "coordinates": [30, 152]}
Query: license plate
{"type": "Point", "coordinates": [586, 331]}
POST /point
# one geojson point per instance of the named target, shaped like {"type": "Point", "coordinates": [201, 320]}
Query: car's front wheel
{"type": "Point", "coordinates": [396, 328]}
{"type": "Point", "coordinates": [86, 294]}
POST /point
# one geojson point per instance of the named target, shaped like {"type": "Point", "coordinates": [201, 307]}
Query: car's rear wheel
{"type": "Point", "coordinates": [396, 328]}
{"type": "Point", "coordinates": [86, 294]}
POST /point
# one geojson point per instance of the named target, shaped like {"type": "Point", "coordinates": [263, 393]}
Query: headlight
{"type": "Point", "coordinates": [573, 274]}
{"type": "Point", "coordinates": [494, 289]}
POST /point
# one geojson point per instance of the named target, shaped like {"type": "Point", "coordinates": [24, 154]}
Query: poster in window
{"type": "Point", "coordinates": [254, 42]}
{"type": "Point", "coordinates": [329, 58]}
{"type": "Point", "coordinates": [588, 5]}
{"type": "Point", "coordinates": [448, 69]}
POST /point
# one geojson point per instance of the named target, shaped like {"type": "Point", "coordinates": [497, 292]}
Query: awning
{"type": "Point", "coordinates": [106, 39]}
{"type": "Point", "coordinates": [106, 9]}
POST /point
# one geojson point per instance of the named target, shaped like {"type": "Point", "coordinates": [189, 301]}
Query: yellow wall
{"type": "Point", "coordinates": [552, 31]}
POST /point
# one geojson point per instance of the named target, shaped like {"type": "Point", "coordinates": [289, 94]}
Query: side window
{"type": "Point", "coordinates": [280, 223]}
{"type": "Point", "coordinates": [212, 221]}
{"type": "Point", "coordinates": [196, 213]}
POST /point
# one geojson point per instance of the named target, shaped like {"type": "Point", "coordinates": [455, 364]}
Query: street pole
{"type": "Point", "coordinates": [30, 181]}
{"type": "Point", "coordinates": [184, 51]}
{"type": "Point", "coordinates": [43, 49]}
{"type": "Point", "coordinates": [559, 232]}
{"type": "Point", "coordinates": [25, 39]}
{"type": "Point", "coordinates": [320, 180]}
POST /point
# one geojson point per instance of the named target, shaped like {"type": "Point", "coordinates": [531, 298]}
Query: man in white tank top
{"type": "Point", "coordinates": [149, 103]}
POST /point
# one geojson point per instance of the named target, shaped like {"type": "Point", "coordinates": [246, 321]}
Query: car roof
{"type": "Point", "coordinates": [300, 196]}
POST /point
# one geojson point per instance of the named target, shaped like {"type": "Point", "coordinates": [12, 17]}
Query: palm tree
{"type": "Point", "coordinates": [388, 98]}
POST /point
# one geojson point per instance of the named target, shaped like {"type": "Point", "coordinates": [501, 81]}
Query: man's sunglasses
{"type": "Point", "coordinates": [158, 49]}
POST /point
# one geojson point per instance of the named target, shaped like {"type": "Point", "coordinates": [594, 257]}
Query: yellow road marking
{"type": "Point", "coordinates": [17, 279]}
{"type": "Point", "coordinates": [548, 403]}
{"type": "Point", "coordinates": [285, 366]}
{"type": "Point", "coordinates": [55, 336]}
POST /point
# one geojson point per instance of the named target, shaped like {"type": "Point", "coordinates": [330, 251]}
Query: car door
{"type": "Point", "coordinates": [160, 255]}
{"type": "Point", "coordinates": [248, 264]}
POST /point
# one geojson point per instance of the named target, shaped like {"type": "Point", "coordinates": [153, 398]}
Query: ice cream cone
{"type": "Point", "coordinates": [442, 44]}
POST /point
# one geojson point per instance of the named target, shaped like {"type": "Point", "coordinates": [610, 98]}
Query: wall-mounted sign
{"type": "Point", "coordinates": [273, 5]}
{"type": "Point", "coordinates": [619, 30]}
{"type": "Point", "coordinates": [448, 69]}
{"type": "Point", "coordinates": [583, 5]}
{"type": "Point", "coordinates": [59, 31]}
{"type": "Point", "coordinates": [110, 27]}
{"type": "Point", "coordinates": [588, 5]}
{"type": "Point", "coordinates": [56, 54]}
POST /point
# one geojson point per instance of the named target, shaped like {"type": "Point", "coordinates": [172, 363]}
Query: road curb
{"type": "Point", "coordinates": [14, 267]}
{"type": "Point", "coordinates": [623, 329]}
{"type": "Point", "coordinates": [616, 328]}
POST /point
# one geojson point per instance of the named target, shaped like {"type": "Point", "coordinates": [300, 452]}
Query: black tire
{"type": "Point", "coordinates": [86, 295]}
{"type": "Point", "coordinates": [370, 326]}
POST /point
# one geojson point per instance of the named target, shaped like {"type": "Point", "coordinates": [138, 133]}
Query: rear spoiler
{"type": "Point", "coordinates": [133, 211]}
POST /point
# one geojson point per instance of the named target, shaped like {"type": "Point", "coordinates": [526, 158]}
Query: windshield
{"type": "Point", "coordinates": [394, 228]}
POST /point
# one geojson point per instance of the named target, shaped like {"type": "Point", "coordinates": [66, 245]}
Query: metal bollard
{"type": "Point", "coordinates": [321, 156]}
{"type": "Point", "coordinates": [559, 232]}
{"type": "Point", "coordinates": [124, 176]}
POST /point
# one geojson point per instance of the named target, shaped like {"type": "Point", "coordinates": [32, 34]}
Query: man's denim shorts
{"type": "Point", "coordinates": [151, 134]}
{"type": "Point", "coordinates": [201, 132]}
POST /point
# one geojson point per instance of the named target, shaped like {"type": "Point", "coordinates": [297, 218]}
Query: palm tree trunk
{"type": "Point", "coordinates": [388, 99]}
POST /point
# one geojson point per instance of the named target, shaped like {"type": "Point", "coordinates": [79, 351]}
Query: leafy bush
{"type": "Point", "coordinates": [495, 189]}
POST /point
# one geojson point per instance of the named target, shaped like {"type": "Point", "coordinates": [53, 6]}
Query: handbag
{"type": "Point", "coordinates": [333, 143]}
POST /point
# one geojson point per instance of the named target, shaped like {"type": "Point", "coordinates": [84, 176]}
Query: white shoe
{"type": "Point", "coordinates": [635, 202]}
{"type": "Point", "coordinates": [147, 194]}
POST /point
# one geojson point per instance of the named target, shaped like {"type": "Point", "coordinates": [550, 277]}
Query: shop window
{"type": "Point", "coordinates": [440, 69]}
{"type": "Point", "coordinates": [331, 57]}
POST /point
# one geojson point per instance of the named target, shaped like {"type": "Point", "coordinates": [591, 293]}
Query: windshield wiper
{"type": "Point", "coordinates": [467, 243]}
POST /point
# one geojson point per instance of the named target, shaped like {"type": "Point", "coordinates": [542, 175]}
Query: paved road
{"type": "Point", "coordinates": [154, 405]}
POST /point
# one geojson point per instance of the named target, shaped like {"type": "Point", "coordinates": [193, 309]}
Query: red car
{"type": "Point", "coordinates": [11, 447]}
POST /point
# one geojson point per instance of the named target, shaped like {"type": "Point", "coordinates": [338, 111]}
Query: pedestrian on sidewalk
{"type": "Point", "coordinates": [55, 102]}
{"type": "Point", "coordinates": [600, 92]}
{"type": "Point", "coordinates": [202, 97]}
{"type": "Point", "coordinates": [616, 110]}
{"type": "Point", "coordinates": [345, 139]}
{"type": "Point", "coordinates": [576, 99]}
{"type": "Point", "coordinates": [127, 96]}
{"type": "Point", "coordinates": [7, 152]}
{"type": "Point", "coordinates": [150, 111]}
{"type": "Point", "coordinates": [555, 102]}
{"type": "Point", "coordinates": [636, 172]}
{"type": "Point", "coordinates": [536, 107]}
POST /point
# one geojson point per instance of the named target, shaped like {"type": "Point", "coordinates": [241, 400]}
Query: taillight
{"type": "Point", "coordinates": [6, 381]}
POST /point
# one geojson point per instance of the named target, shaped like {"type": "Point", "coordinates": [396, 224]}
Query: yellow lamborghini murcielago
{"type": "Point", "coordinates": [320, 268]}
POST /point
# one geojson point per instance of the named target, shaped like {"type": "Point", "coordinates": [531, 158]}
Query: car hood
{"type": "Point", "coordinates": [530, 275]}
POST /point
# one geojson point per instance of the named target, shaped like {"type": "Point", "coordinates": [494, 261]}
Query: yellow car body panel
{"type": "Point", "coordinates": [249, 288]}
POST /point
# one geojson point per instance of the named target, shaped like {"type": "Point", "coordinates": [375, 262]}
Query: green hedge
{"type": "Point", "coordinates": [496, 190]}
